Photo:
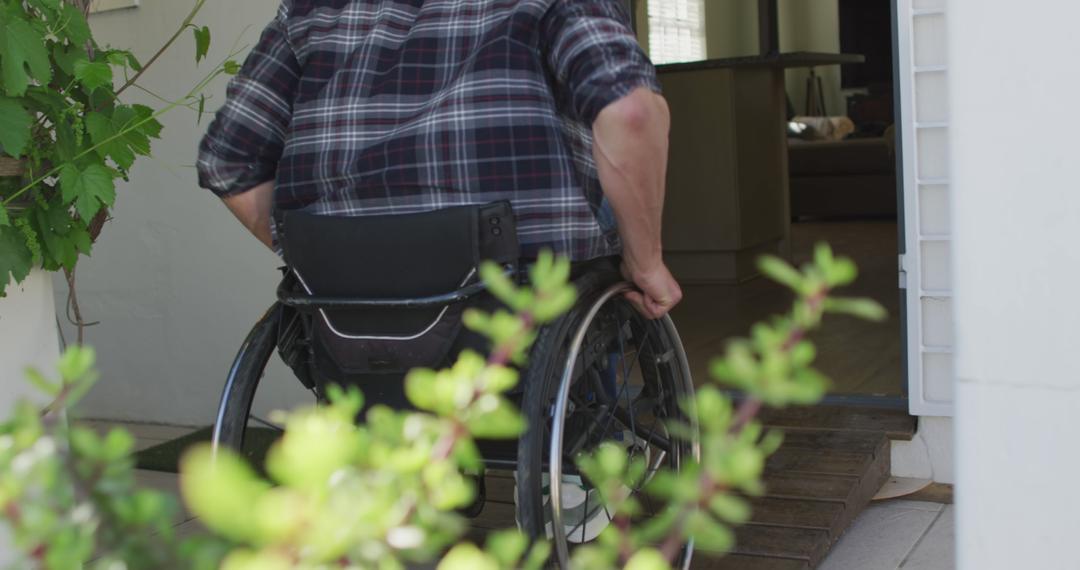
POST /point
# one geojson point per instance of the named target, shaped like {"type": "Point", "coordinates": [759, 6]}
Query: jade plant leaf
{"type": "Point", "coordinates": [15, 125]}
{"type": "Point", "coordinates": [22, 48]}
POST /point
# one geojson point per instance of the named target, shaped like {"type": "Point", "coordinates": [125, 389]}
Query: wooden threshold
{"type": "Point", "coordinates": [896, 424]}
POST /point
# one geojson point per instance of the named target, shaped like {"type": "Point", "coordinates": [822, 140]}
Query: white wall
{"type": "Point", "coordinates": [804, 25]}
{"type": "Point", "coordinates": [1017, 265]}
{"type": "Point", "coordinates": [175, 281]}
{"type": "Point", "coordinates": [28, 338]}
{"type": "Point", "coordinates": [812, 25]}
{"type": "Point", "coordinates": [930, 454]}
{"type": "Point", "coordinates": [731, 28]}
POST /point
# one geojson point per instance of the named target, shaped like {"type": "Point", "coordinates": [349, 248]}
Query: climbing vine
{"type": "Point", "coordinates": [66, 135]}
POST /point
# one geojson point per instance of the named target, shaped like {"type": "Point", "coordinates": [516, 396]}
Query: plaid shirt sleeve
{"type": "Point", "coordinates": [594, 55]}
{"type": "Point", "coordinates": [243, 144]}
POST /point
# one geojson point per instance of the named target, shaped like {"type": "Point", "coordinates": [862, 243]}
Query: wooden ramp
{"type": "Point", "coordinates": [833, 461]}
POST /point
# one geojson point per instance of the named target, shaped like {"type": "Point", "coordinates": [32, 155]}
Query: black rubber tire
{"type": "Point", "coordinates": [540, 380]}
{"type": "Point", "coordinates": [541, 383]}
{"type": "Point", "coordinates": [231, 421]}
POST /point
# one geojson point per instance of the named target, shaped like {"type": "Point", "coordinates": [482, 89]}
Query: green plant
{"type": "Point", "coordinates": [773, 368]}
{"type": "Point", "coordinates": [382, 494]}
{"type": "Point", "coordinates": [62, 120]}
{"type": "Point", "coordinates": [69, 495]}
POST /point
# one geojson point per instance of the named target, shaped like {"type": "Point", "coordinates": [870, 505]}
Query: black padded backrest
{"type": "Point", "coordinates": [391, 257]}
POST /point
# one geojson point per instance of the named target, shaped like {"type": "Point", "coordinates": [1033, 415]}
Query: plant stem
{"type": "Point", "coordinates": [73, 304]}
{"type": "Point", "coordinates": [183, 26]}
{"type": "Point", "coordinates": [747, 411]}
{"type": "Point", "coordinates": [671, 546]}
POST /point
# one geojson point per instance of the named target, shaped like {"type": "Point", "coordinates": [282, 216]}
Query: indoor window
{"type": "Point", "coordinates": [676, 30]}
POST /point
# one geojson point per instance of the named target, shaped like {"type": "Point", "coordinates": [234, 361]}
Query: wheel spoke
{"type": "Point", "coordinates": [624, 389]}
{"type": "Point", "coordinates": [642, 357]}
{"type": "Point", "coordinates": [266, 423]}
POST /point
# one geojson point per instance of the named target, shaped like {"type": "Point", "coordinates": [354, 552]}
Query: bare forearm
{"type": "Point", "coordinates": [631, 148]}
{"type": "Point", "coordinates": [253, 208]}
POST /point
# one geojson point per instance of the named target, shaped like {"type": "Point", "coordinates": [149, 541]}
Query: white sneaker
{"type": "Point", "coordinates": [584, 514]}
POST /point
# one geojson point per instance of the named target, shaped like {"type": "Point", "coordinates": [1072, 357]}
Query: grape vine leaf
{"type": "Point", "coordinates": [149, 125]}
{"type": "Point", "coordinates": [93, 74]}
{"type": "Point", "coordinates": [20, 48]}
{"type": "Point", "coordinates": [108, 144]}
{"type": "Point", "coordinates": [133, 62]}
{"type": "Point", "coordinates": [15, 258]}
{"type": "Point", "coordinates": [202, 43]}
{"type": "Point", "coordinates": [128, 122]}
{"type": "Point", "coordinates": [124, 135]}
{"type": "Point", "coordinates": [122, 58]}
{"type": "Point", "coordinates": [52, 5]}
{"type": "Point", "coordinates": [67, 57]}
{"type": "Point", "coordinates": [4, 219]}
{"type": "Point", "coordinates": [15, 125]}
{"type": "Point", "coordinates": [75, 25]}
{"type": "Point", "coordinates": [91, 188]}
{"type": "Point", "coordinates": [64, 238]}
{"type": "Point", "coordinates": [101, 132]}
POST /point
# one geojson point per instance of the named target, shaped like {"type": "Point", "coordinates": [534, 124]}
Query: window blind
{"type": "Point", "coordinates": [676, 30]}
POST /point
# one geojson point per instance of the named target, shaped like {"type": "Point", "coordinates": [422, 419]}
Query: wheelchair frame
{"type": "Point", "coordinates": [254, 354]}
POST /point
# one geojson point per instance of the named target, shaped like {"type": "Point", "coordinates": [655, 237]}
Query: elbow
{"type": "Point", "coordinates": [640, 112]}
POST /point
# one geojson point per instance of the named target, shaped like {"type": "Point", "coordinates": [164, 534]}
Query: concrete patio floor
{"type": "Point", "coordinates": [898, 534]}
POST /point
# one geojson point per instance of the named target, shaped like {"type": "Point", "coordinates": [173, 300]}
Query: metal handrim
{"type": "Point", "coordinates": [555, 452]}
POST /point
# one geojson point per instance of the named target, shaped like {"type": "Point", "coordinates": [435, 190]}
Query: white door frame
{"type": "Point", "coordinates": [923, 180]}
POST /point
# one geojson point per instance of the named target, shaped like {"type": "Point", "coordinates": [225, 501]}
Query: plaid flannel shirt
{"type": "Point", "coordinates": [358, 107]}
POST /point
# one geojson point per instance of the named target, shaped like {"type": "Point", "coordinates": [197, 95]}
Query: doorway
{"type": "Point", "coordinates": [841, 181]}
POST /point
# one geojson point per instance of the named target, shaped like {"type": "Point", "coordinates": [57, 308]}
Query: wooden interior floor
{"type": "Point", "coordinates": [861, 358]}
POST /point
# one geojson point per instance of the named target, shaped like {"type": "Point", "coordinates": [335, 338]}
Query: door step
{"type": "Point", "coordinates": [896, 424]}
{"type": "Point", "coordinates": [833, 461]}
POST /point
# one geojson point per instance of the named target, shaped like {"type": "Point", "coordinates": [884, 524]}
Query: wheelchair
{"type": "Point", "coordinates": [600, 373]}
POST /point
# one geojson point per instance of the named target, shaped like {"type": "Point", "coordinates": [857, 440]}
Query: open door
{"type": "Point", "coordinates": [924, 173]}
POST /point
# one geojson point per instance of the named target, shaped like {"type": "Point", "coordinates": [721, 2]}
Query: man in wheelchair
{"type": "Point", "coordinates": [353, 108]}
{"type": "Point", "coordinates": [384, 147]}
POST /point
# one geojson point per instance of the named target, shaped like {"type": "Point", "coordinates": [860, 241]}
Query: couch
{"type": "Point", "coordinates": [851, 178]}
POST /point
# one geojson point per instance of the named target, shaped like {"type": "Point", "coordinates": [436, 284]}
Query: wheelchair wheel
{"type": "Point", "coordinates": [602, 373]}
{"type": "Point", "coordinates": [231, 424]}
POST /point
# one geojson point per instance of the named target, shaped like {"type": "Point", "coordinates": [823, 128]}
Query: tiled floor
{"type": "Point", "coordinates": [895, 535]}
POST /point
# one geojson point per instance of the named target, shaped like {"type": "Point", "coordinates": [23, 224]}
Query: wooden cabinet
{"type": "Point", "coordinates": [727, 193]}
